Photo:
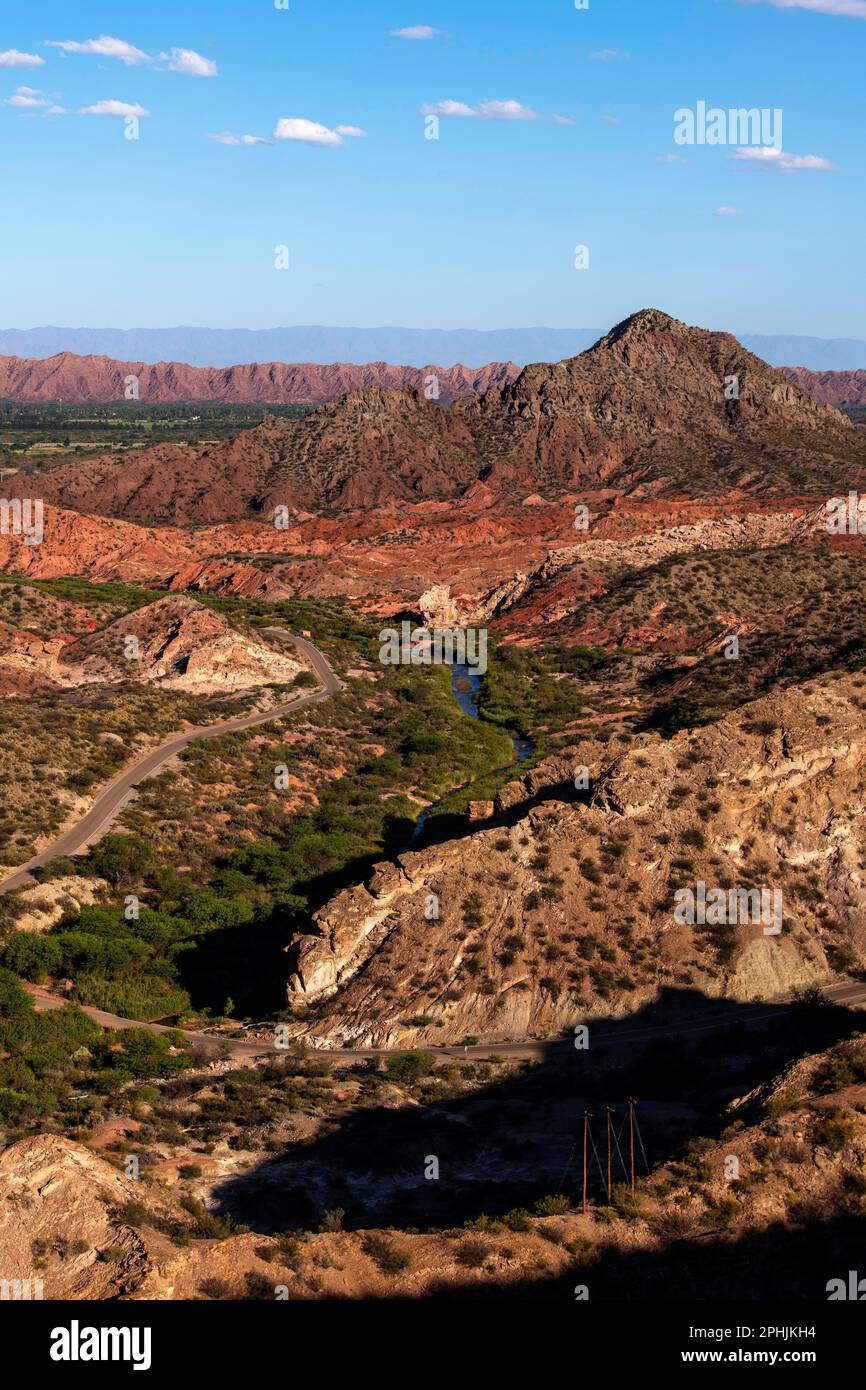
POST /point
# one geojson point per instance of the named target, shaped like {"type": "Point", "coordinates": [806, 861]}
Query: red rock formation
{"type": "Point", "coordinates": [216, 577]}
{"type": "Point", "coordinates": [69, 378]}
{"type": "Point", "coordinates": [831, 388]}
{"type": "Point", "coordinates": [643, 412]}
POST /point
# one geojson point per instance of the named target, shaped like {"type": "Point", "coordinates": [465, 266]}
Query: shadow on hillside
{"type": "Point", "coordinates": [791, 1261]}
{"type": "Point", "coordinates": [454, 826]}
{"type": "Point", "coordinates": [247, 962]}
{"type": "Point", "coordinates": [512, 1140]}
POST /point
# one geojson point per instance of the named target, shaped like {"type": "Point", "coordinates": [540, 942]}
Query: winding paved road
{"type": "Point", "coordinates": [113, 796]}
{"type": "Point", "coordinates": [117, 792]}
{"type": "Point", "coordinates": [851, 993]}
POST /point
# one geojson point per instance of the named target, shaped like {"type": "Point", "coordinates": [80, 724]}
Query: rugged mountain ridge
{"type": "Point", "coordinates": [654, 408]}
{"type": "Point", "coordinates": [70, 378]}
{"type": "Point", "coordinates": [78, 379]}
{"type": "Point", "coordinates": [831, 388]}
{"type": "Point", "coordinates": [562, 906]}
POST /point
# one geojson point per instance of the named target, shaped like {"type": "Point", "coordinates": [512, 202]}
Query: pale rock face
{"type": "Point", "coordinates": [439, 609]}
{"type": "Point", "coordinates": [181, 646]}
{"type": "Point", "coordinates": [565, 911]}
{"type": "Point", "coordinates": [46, 903]}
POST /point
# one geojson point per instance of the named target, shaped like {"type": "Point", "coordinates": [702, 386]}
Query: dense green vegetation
{"type": "Point", "coordinates": [64, 431]}
{"type": "Point", "coordinates": [218, 947]}
{"type": "Point", "coordinates": [59, 1063]}
{"type": "Point", "coordinates": [216, 912]}
{"type": "Point", "coordinates": [535, 691]}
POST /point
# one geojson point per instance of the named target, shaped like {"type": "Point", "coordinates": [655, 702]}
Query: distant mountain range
{"type": "Point", "coordinates": [642, 413]}
{"type": "Point", "coordinates": [77, 380]}
{"type": "Point", "coordinates": [412, 347]}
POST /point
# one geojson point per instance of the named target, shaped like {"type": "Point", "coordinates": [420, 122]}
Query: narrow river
{"type": "Point", "coordinates": [464, 683]}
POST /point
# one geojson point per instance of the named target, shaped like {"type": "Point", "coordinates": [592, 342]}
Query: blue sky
{"type": "Point", "coordinates": [476, 229]}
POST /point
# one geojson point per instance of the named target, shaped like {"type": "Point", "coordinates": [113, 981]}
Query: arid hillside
{"type": "Point", "coordinates": [70, 378]}
{"type": "Point", "coordinates": [174, 642]}
{"type": "Point", "coordinates": [832, 388]}
{"type": "Point", "coordinates": [655, 408]}
{"type": "Point", "coordinates": [774, 1195]}
{"type": "Point", "coordinates": [563, 905]}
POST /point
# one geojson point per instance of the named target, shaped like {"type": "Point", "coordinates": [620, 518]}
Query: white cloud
{"type": "Point", "coordinates": [28, 98]}
{"type": "Point", "coordinates": [104, 47]}
{"type": "Point", "coordinates": [308, 132]}
{"type": "Point", "coordinates": [505, 111]}
{"type": "Point", "coordinates": [562, 120]}
{"type": "Point", "coordinates": [610, 120]}
{"type": "Point", "coordinates": [728, 212]}
{"type": "Point", "coordinates": [768, 157]}
{"type": "Point", "coordinates": [847, 9]}
{"type": "Point", "coordinates": [487, 111]}
{"type": "Point", "coordinates": [184, 60]}
{"type": "Point", "coordinates": [448, 108]}
{"type": "Point", "coordinates": [670, 159]}
{"type": "Point", "coordinates": [416, 31]}
{"type": "Point", "coordinates": [353, 130]}
{"type": "Point", "coordinates": [188, 61]}
{"type": "Point", "coordinates": [114, 108]}
{"type": "Point", "coordinates": [225, 137]}
{"type": "Point", "coordinates": [11, 58]}
{"type": "Point", "coordinates": [604, 55]}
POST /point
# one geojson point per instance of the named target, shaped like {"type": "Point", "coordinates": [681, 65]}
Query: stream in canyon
{"type": "Point", "coordinates": [464, 683]}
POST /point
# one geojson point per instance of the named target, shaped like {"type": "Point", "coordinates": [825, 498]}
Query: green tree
{"type": "Point", "coordinates": [121, 859]}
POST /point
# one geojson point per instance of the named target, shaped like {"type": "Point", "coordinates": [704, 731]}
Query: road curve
{"type": "Point", "coordinates": [104, 809]}
{"type": "Point", "coordinates": [112, 797]}
{"type": "Point", "coordinates": [843, 992]}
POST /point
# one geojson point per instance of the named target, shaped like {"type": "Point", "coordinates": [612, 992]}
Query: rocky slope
{"type": "Point", "coordinates": [772, 1208]}
{"type": "Point", "coordinates": [644, 412]}
{"type": "Point", "coordinates": [73, 379]}
{"type": "Point", "coordinates": [174, 643]}
{"type": "Point", "coordinates": [566, 908]}
{"type": "Point", "coordinates": [831, 388]}
{"type": "Point", "coordinates": [217, 577]}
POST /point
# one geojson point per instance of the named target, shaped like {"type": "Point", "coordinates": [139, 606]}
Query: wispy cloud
{"type": "Point", "coordinates": [11, 58]}
{"type": "Point", "coordinates": [184, 60]}
{"type": "Point", "coordinates": [670, 159]}
{"type": "Point", "coordinates": [354, 131]}
{"type": "Point", "coordinates": [417, 31]}
{"type": "Point", "coordinates": [724, 211]}
{"type": "Point", "coordinates": [767, 157]}
{"type": "Point", "coordinates": [609, 120]}
{"type": "Point", "coordinates": [604, 55]}
{"type": "Point", "coordinates": [562, 120]}
{"type": "Point", "coordinates": [846, 9]}
{"type": "Point", "coordinates": [114, 108]}
{"type": "Point", "coordinates": [312, 133]}
{"type": "Point", "coordinates": [188, 61]}
{"type": "Point", "coordinates": [225, 137]}
{"type": "Point", "coordinates": [486, 111]}
{"type": "Point", "coordinates": [28, 99]}
{"type": "Point", "coordinates": [103, 47]}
